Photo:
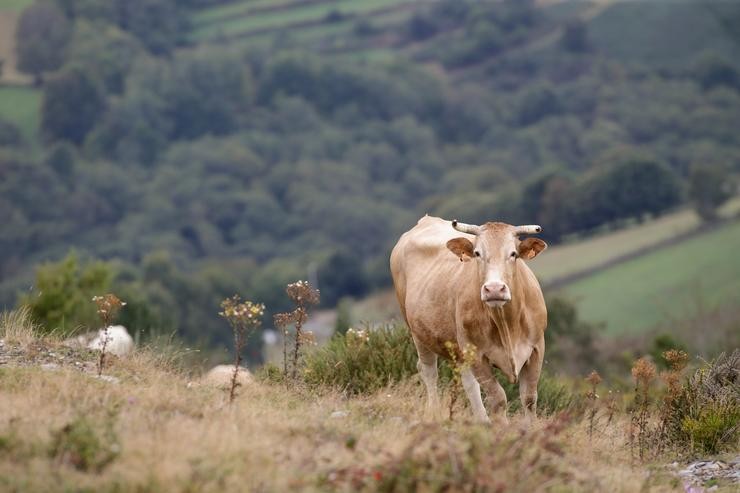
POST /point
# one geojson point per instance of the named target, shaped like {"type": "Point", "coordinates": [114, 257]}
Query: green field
{"type": "Point", "coordinates": [238, 22]}
{"type": "Point", "coordinates": [667, 284]}
{"type": "Point", "coordinates": [664, 32]}
{"type": "Point", "coordinates": [14, 5]}
{"type": "Point", "coordinates": [583, 255]}
{"type": "Point", "coordinates": [21, 105]}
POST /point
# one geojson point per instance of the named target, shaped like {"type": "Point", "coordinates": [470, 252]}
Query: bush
{"type": "Point", "coordinates": [470, 459]}
{"type": "Point", "coordinates": [80, 445]}
{"type": "Point", "coordinates": [552, 396]}
{"type": "Point", "coordinates": [63, 292]}
{"type": "Point", "coordinates": [705, 416]}
{"type": "Point", "coordinates": [363, 360]}
{"type": "Point", "coordinates": [366, 360]}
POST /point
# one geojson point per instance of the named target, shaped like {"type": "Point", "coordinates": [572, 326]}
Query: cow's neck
{"type": "Point", "coordinates": [505, 319]}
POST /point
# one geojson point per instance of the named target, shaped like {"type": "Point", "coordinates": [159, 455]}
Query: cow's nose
{"type": "Point", "coordinates": [495, 288]}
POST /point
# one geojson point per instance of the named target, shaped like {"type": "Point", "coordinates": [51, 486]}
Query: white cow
{"type": "Point", "coordinates": [119, 341]}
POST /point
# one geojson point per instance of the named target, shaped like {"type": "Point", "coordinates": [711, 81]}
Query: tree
{"type": "Point", "coordinates": [341, 276]}
{"type": "Point", "coordinates": [62, 298]}
{"type": "Point", "coordinates": [708, 190]}
{"type": "Point", "coordinates": [41, 39]}
{"type": "Point", "coordinates": [627, 189]}
{"type": "Point", "coordinates": [104, 50]}
{"type": "Point", "coordinates": [575, 37]}
{"type": "Point", "coordinates": [712, 71]}
{"type": "Point", "coordinates": [73, 102]}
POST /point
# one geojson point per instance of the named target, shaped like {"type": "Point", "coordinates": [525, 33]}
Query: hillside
{"type": "Point", "coordinates": [148, 426]}
{"type": "Point", "coordinates": [203, 148]}
{"type": "Point", "coordinates": [652, 290]}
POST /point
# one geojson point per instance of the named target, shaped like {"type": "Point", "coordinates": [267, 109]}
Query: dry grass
{"type": "Point", "coordinates": [16, 327]}
{"type": "Point", "coordinates": [64, 429]}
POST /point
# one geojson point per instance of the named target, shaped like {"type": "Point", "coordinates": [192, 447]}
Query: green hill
{"type": "Point", "coordinates": [668, 284]}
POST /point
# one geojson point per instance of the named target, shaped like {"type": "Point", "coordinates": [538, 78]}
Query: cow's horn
{"type": "Point", "coordinates": [471, 229]}
{"type": "Point", "coordinates": [529, 229]}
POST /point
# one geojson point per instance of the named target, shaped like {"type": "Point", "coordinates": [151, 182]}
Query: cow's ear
{"type": "Point", "coordinates": [462, 247]}
{"type": "Point", "coordinates": [529, 248]}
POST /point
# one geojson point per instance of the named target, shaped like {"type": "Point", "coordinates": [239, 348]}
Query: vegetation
{"type": "Point", "coordinates": [704, 415]}
{"type": "Point", "coordinates": [67, 429]}
{"type": "Point", "coordinates": [244, 317]}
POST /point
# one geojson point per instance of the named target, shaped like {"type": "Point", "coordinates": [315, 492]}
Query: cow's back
{"type": "Point", "coordinates": [426, 276]}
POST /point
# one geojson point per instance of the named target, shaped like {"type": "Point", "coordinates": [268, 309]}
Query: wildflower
{"type": "Point", "coordinates": [594, 378]}
{"type": "Point", "coordinates": [643, 371]}
{"type": "Point", "coordinates": [676, 359]}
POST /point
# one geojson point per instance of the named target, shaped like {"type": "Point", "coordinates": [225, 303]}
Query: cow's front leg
{"type": "Point", "coordinates": [472, 389]}
{"type": "Point", "coordinates": [427, 366]}
{"type": "Point", "coordinates": [529, 377]}
{"type": "Point", "coordinates": [495, 395]}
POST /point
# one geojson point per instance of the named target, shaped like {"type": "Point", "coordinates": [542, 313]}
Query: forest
{"type": "Point", "coordinates": [177, 168]}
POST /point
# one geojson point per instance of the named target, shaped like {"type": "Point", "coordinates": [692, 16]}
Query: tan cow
{"type": "Point", "coordinates": [473, 288]}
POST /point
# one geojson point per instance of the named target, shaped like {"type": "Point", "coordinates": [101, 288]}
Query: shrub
{"type": "Point", "coordinates": [705, 416]}
{"type": "Point", "coordinates": [552, 396]}
{"type": "Point", "coordinates": [363, 360]}
{"type": "Point", "coordinates": [82, 446]}
{"type": "Point", "coordinates": [368, 359]}
{"type": "Point", "coordinates": [61, 298]}
{"type": "Point", "coordinates": [470, 459]}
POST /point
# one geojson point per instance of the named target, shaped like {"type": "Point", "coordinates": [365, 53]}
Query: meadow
{"type": "Point", "coordinates": [236, 20]}
{"type": "Point", "coordinates": [21, 105]}
{"type": "Point", "coordinates": [150, 424]}
{"type": "Point", "coordinates": [673, 282]}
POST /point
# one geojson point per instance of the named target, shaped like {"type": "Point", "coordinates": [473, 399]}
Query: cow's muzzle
{"type": "Point", "coordinates": [495, 293]}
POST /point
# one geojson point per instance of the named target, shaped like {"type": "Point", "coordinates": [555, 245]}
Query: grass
{"type": "Point", "coordinates": [243, 24]}
{"type": "Point", "coordinates": [62, 429]}
{"type": "Point", "coordinates": [16, 327]}
{"type": "Point", "coordinates": [629, 31]}
{"type": "Point", "coordinates": [21, 105]}
{"type": "Point", "coordinates": [14, 5]}
{"type": "Point", "coordinates": [668, 284]}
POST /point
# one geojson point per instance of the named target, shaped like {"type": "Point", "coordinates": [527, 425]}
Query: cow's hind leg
{"type": "Point", "coordinates": [495, 395]}
{"type": "Point", "coordinates": [427, 366]}
{"type": "Point", "coordinates": [528, 378]}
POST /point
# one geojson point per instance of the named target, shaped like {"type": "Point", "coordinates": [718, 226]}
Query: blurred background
{"type": "Point", "coordinates": [176, 152]}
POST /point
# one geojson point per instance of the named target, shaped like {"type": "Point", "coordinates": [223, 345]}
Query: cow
{"type": "Point", "coordinates": [470, 286]}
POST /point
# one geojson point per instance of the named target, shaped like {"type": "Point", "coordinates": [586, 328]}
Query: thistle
{"type": "Point", "coordinates": [244, 317]}
{"type": "Point", "coordinates": [108, 307]}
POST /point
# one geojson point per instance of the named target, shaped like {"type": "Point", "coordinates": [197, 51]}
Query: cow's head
{"type": "Point", "coordinates": [496, 249]}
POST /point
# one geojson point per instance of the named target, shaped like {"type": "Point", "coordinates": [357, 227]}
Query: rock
{"type": "Point", "coordinates": [50, 366]}
{"type": "Point", "coordinates": [220, 376]}
{"type": "Point", "coordinates": [108, 378]}
{"type": "Point", "coordinates": [339, 414]}
{"type": "Point", "coordinates": [700, 472]}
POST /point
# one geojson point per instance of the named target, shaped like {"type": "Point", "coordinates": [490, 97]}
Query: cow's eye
{"type": "Point", "coordinates": [477, 253]}
{"type": "Point", "coordinates": [513, 255]}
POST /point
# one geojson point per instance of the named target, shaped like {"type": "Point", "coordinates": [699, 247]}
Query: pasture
{"type": "Point", "coordinates": [21, 106]}
{"type": "Point", "coordinates": [670, 283]}
{"type": "Point", "coordinates": [14, 5]}
{"type": "Point", "coordinates": [242, 19]}
{"type": "Point", "coordinates": [669, 33]}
